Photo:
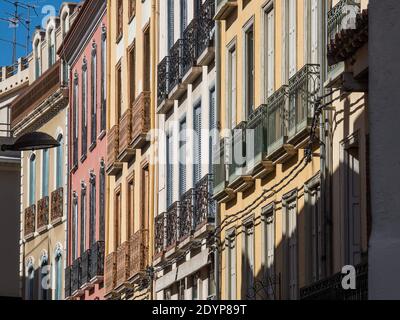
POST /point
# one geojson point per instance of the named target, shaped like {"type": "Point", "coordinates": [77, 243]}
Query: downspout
{"type": "Point", "coordinates": [218, 104]}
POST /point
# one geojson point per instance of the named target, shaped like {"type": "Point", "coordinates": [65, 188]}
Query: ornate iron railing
{"type": "Point", "coordinates": [303, 88]}
{"type": "Point", "coordinates": [122, 264]}
{"type": "Point", "coordinates": [139, 251]}
{"type": "Point", "coordinates": [190, 46]}
{"type": "Point", "coordinates": [57, 204]}
{"type": "Point", "coordinates": [257, 149]}
{"type": "Point", "coordinates": [172, 225]}
{"type": "Point", "coordinates": [30, 215]}
{"type": "Point", "coordinates": [125, 131]}
{"type": "Point", "coordinates": [276, 119]}
{"type": "Point", "coordinates": [110, 272]}
{"type": "Point", "coordinates": [162, 80]}
{"type": "Point", "coordinates": [205, 205]}
{"type": "Point", "coordinates": [43, 213]}
{"type": "Point", "coordinates": [97, 259]}
{"type": "Point", "coordinates": [140, 119]}
{"type": "Point", "coordinates": [238, 156]}
{"type": "Point", "coordinates": [186, 215]}
{"type": "Point", "coordinates": [206, 24]}
{"type": "Point", "coordinates": [76, 275]}
{"type": "Point", "coordinates": [67, 285]}
{"type": "Point", "coordinates": [331, 288]}
{"type": "Point", "coordinates": [175, 73]}
{"type": "Point", "coordinates": [342, 16]}
{"type": "Point", "coordinates": [159, 230]}
{"type": "Point", "coordinates": [85, 268]}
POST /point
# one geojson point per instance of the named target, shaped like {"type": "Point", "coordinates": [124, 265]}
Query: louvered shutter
{"type": "Point", "coordinates": [314, 31]}
{"type": "Point", "coordinates": [197, 144]}
{"type": "Point", "coordinates": [271, 52]}
{"type": "Point", "coordinates": [213, 126]}
{"type": "Point", "coordinates": [170, 23]}
{"type": "Point", "coordinates": [292, 38]}
{"type": "Point", "coordinates": [182, 158]}
{"type": "Point", "coordinates": [270, 253]}
{"type": "Point", "coordinates": [170, 172]}
{"type": "Point", "coordinates": [292, 251]}
{"type": "Point", "coordinates": [233, 88]}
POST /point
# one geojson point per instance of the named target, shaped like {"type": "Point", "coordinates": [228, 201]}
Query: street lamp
{"type": "Point", "coordinates": [32, 141]}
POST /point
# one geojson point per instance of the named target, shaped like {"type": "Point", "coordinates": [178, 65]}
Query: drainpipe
{"type": "Point", "coordinates": [218, 104]}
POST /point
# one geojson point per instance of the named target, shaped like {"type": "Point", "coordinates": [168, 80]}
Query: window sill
{"type": "Point", "coordinates": [102, 135]}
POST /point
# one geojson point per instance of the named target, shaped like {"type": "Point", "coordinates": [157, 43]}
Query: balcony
{"type": "Point", "coordinates": [224, 8]}
{"type": "Point", "coordinates": [239, 180]}
{"type": "Point", "coordinates": [191, 70]}
{"type": "Point", "coordinates": [110, 273]}
{"type": "Point", "coordinates": [164, 103]}
{"type": "Point", "coordinates": [85, 270]}
{"type": "Point", "coordinates": [159, 235]}
{"type": "Point", "coordinates": [122, 265]}
{"type": "Point", "coordinates": [57, 206]}
{"type": "Point", "coordinates": [206, 51]}
{"type": "Point", "coordinates": [331, 288]}
{"type": "Point", "coordinates": [175, 74]}
{"type": "Point", "coordinates": [76, 278]}
{"type": "Point", "coordinates": [138, 254]}
{"type": "Point", "coordinates": [29, 227]}
{"type": "Point", "coordinates": [97, 262]}
{"type": "Point", "coordinates": [113, 164]}
{"type": "Point", "coordinates": [67, 285]}
{"type": "Point", "coordinates": [220, 191]}
{"type": "Point", "coordinates": [125, 152]}
{"type": "Point", "coordinates": [303, 89]}
{"type": "Point", "coordinates": [205, 206]}
{"type": "Point", "coordinates": [43, 214]}
{"type": "Point", "coordinates": [171, 226]}
{"type": "Point", "coordinates": [186, 211]}
{"type": "Point", "coordinates": [257, 146]}
{"type": "Point", "coordinates": [140, 120]}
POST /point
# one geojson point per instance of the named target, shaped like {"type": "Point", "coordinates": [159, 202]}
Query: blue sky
{"type": "Point", "coordinates": [43, 9]}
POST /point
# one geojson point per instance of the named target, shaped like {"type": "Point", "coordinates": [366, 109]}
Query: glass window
{"type": "Point", "coordinates": [45, 173]}
{"type": "Point", "coordinates": [58, 268]}
{"type": "Point", "coordinates": [32, 180]}
{"type": "Point", "coordinates": [59, 162]}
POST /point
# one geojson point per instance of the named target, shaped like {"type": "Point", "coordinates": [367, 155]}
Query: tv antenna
{"type": "Point", "coordinates": [15, 19]}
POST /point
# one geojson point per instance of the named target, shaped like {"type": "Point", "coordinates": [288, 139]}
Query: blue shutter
{"type": "Point", "coordinates": [182, 158]}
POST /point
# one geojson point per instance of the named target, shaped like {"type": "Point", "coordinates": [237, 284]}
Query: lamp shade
{"type": "Point", "coordinates": [33, 141]}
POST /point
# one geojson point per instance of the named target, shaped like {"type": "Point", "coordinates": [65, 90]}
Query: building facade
{"type": "Point", "coordinates": [43, 182]}
{"type": "Point", "coordinates": [131, 63]}
{"type": "Point", "coordinates": [186, 108]}
{"type": "Point", "coordinates": [85, 51]}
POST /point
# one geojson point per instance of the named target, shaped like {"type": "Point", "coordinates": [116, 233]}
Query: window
{"type": "Point", "coordinates": [231, 265]}
{"type": "Point", "coordinates": [84, 110]}
{"type": "Point", "coordinates": [118, 218]}
{"type": "Point", "coordinates": [170, 170]}
{"type": "Point", "coordinates": [197, 143]}
{"type": "Point", "coordinates": [102, 201]}
{"type": "Point", "coordinates": [291, 255]}
{"type": "Point", "coordinates": [170, 36]}
{"type": "Point", "coordinates": [196, 7]}
{"type": "Point", "coordinates": [92, 208]}
{"type": "Point", "coordinates": [147, 62]}
{"type": "Point", "coordinates": [232, 87]}
{"type": "Point", "coordinates": [314, 26]}
{"type": "Point", "coordinates": [131, 207]}
{"type": "Point", "coordinates": [30, 283]}
{"type": "Point", "coordinates": [167, 294]}
{"type": "Point", "coordinates": [120, 18]}
{"type": "Point", "coordinates": [103, 78]}
{"type": "Point", "coordinates": [132, 8]}
{"type": "Point", "coordinates": [83, 219]}
{"type": "Point", "coordinates": [269, 24]}
{"type": "Point", "coordinates": [93, 95]}
{"type": "Point", "coordinates": [211, 282]}
{"type": "Point", "coordinates": [181, 290]}
{"type": "Point", "coordinates": [45, 173]}
{"type": "Point", "coordinates": [37, 60]}
{"type": "Point", "coordinates": [183, 16]}
{"type": "Point", "coordinates": [74, 228]}
{"type": "Point", "coordinates": [248, 263]}
{"type": "Point", "coordinates": [32, 180]}
{"type": "Point", "coordinates": [214, 137]}
{"type": "Point", "coordinates": [119, 92]}
{"type": "Point", "coordinates": [65, 24]}
{"type": "Point", "coordinates": [269, 251]}
{"type": "Point", "coordinates": [52, 47]}
{"type": "Point", "coordinates": [249, 70]}
{"type": "Point", "coordinates": [292, 38]}
{"type": "Point", "coordinates": [59, 162]}
{"type": "Point", "coordinates": [145, 199]}
{"type": "Point", "coordinates": [58, 269]}
{"type": "Point", "coordinates": [195, 287]}
{"type": "Point", "coordinates": [44, 279]}
{"type": "Point", "coordinates": [132, 74]}
{"type": "Point", "coordinates": [182, 158]}
{"type": "Point", "coordinates": [75, 124]}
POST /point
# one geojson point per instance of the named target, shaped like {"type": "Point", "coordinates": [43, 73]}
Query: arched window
{"type": "Point", "coordinates": [52, 47]}
{"type": "Point", "coordinates": [45, 173]}
{"type": "Point", "coordinates": [84, 109]}
{"type": "Point", "coordinates": [58, 269]}
{"type": "Point", "coordinates": [65, 24]}
{"type": "Point", "coordinates": [93, 95]}
{"type": "Point", "coordinates": [83, 219]}
{"type": "Point", "coordinates": [37, 59]}
{"type": "Point", "coordinates": [59, 162]}
{"type": "Point", "coordinates": [44, 283]}
{"type": "Point", "coordinates": [30, 281]}
{"type": "Point", "coordinates": [32, 180]}
{"type": "Point", "coordinates": [74, 226]}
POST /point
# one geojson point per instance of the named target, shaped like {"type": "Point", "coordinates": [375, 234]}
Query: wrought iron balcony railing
{"type": "Point", "coordinates": [171, 221]}
{"type": "Point", "coordinates": [162, 80]}
{"type": "Point", "coordinates": [159, 234]}
{"type": "Point", "coordinates": [43, 213]}
{"type": "Point", "coordinates": [331, 288]}
{"type": "Point", "coordinates": [175, 73]}
{"type": "Point", "coordinates": [205, 205]}
{"type": "Point", "coordinates": [67, 285]}
{"type": "Point", "coordinates": [122, 264]}
{"type": "Point", "coordinates": [340, 16]}
{"type": "Point", "coordinates": [190, 46]}
{"type": "Point", "coordinates": [276, 119]}
{"type": "Point", "coordinates": [30, 215]}
{"type": "Point", "coordinates": [125, 135]}
{"type": "Point", "coordinates": [110, 273]}
{"type": "Point", "coordinates": [206, 25]}
{"type": "Point", "coordinates": [97, 261]}
{"type": "Point", "coordinates": [140, 120]}
{"type": "Point", "coordinates": [85, 268]}
{"type": "Point", "coordinates": [76, 276]}
{"type": "Point", "coordinates": [139, 251]}
{"type": "Point", "coordinates": [186, 215]}
{"type": "Point", "coordinates": [113, 165]}
{"type": "Point", "coordinates": [57, 205]}
{"type": "Point", "coordinates": [303, 88]}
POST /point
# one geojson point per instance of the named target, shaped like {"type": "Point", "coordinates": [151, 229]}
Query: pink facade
{"type": "Point", "coordinates": [85, 52]}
